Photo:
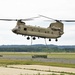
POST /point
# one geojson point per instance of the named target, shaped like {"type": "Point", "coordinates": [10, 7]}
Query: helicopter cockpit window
{"type": "Point", "coordinates": [16, 27]}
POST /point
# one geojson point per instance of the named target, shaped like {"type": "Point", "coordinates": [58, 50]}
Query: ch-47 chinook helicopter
{"type": "Point", "coordinates": [54, 31]}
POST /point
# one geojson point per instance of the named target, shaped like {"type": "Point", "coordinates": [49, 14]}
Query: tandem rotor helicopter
{"type": "Point", "coordinates": [54, 31]}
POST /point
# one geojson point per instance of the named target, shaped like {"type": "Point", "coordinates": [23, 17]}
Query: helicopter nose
{"type": "Point", "coordinates": [14, 30]}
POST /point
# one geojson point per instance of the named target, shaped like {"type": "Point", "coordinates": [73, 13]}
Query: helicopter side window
{"type": "Point", "coordinates": [45, 31]}
{"type": "Point", "coordinates": [18, 27]}
{"type": "Point", "coordinates": [32, 29]}
{"type": "Point", "coordinates": [25, 29]}
{"type": "Point", "coordinates": [51, 32]}
{"type": "Point", "coordinates": [38, 30]}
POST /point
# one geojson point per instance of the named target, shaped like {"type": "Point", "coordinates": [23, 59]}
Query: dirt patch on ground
{"type": "Point", "coordinates": [19, 71]}
{"type": "Point", "coordinates": [33, 69]}
{"type": "Point", "coordinates": [44, 68]}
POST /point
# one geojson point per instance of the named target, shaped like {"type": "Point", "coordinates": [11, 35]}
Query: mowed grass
{"type": "Point", "coordinates": [62, 55]}
{"type": "Point", "coordinates": [31, 62]}
{"type": "Point", "coordinates": [49, 55]}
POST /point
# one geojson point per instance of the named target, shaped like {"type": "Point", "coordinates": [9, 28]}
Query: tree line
{"type": "Point", "coordinates": [36, 48]}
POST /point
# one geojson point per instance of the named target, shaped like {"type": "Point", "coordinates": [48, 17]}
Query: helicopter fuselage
{"type": "Point", "coordinates": [52, 32]}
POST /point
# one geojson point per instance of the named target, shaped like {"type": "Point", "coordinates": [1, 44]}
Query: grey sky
{"type": "Point", "coordinates": [57, 9]}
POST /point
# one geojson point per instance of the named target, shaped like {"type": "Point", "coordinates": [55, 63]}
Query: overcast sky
{"type": "Point", "coordinates": [21, 9]}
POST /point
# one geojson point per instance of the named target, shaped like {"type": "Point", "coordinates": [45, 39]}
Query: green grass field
{"type": "Point", "coordinates": [31, 62]}
{"type": "Point", "coordinates": [51, 55]}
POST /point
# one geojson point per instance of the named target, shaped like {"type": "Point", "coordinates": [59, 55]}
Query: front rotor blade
{"type": "Point", "coordinates": [8, 19]}
{"type": "Point", "coordinates": [28, 19]}
{"type": "Point", "coordinates": [15, 19]}
{"type": "Point", "coordinates": [32, 18]}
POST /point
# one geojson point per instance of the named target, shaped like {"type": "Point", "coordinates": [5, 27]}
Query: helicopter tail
{"type": "Point", "coordinates": [57, 26]}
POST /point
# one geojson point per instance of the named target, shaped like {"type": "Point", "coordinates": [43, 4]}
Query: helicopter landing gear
{"type": "Point", "coordinates": [34, 38]}
{"type": "Point", "coordinates": [56, 39]}
{"type": "Point", "coordinates": [28, 38]}
{"type": "Point", "coordinates": [49, 39]}
{"type": "Point", "coordinates": [38, 37]}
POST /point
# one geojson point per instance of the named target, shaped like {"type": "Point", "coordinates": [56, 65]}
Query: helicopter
{"type": "Point", "coordinates": [54, 31]}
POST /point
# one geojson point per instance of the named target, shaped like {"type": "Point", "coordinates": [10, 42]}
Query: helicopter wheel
{"type": "Point", "coordinates": [49, 39]}
{"type": "Point", "coordinates": [56, 40]}
{"type": "Point", "coordinates": [28, 38]}
{"type": "Point", "coordinates": [38, 37]}
{"type": "Point", "coordinates": [34, 38]}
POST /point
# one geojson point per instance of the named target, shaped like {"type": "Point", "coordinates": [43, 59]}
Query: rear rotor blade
{"type": "Point", "coordinates": [46, 17]}
{"type": "Point", "coordinates": [63, 20]}
{"type": "Point", "coordinates": [67, 20]}
{"type": "Point", "coordinates": [49, 18]}
{"type": "Point", "coordinates": [57, 20]}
